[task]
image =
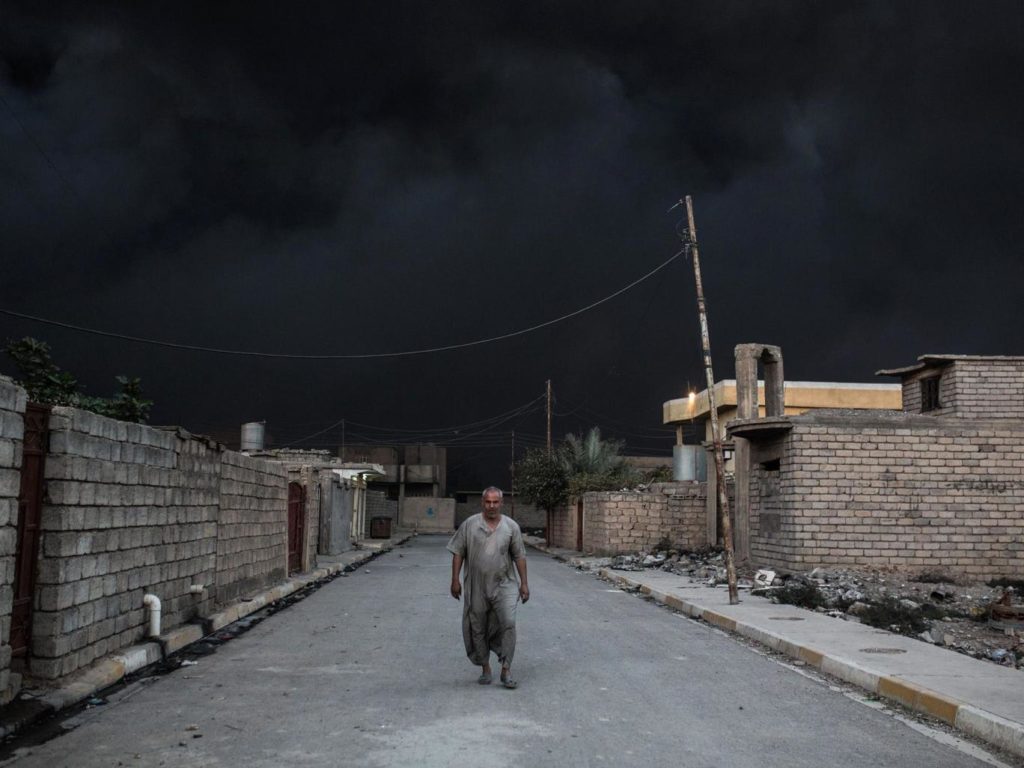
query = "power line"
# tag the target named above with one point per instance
(447, 433)
(363, 356)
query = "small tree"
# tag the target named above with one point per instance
(45, 382)
(541, 479)
(593, 464)
(42, 379)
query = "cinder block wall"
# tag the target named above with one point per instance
(252, 530)
(620, 522)
(131, 510)
(899, 491)
(12, 409)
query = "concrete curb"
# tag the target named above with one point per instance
(115, 667)
(976, 722)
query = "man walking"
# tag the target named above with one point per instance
(491, 546)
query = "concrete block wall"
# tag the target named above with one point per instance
(902, 491)
(252, 527)
(628, 521)
(129, 510)
(12, 409)
(428, 514)
(563, 526)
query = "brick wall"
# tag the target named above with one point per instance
(563, 526)
(252, 526)
(988, 388)
(131, 510)
(619, 522)
(12, 406)
(893, 490)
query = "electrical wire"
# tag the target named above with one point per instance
(419, 436)
(362, 356)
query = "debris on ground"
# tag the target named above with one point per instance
(982, 620)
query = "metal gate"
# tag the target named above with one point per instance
(30, 503)
(296, 515)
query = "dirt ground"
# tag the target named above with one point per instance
(931, 607)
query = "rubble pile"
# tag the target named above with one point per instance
(983, 620)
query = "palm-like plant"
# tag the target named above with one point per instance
(590, 455)
(594, 464)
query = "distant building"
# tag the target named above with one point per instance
(410, 472)
(694, 463)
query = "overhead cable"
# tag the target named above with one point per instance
(361, 356)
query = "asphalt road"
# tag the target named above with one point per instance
(370, 671)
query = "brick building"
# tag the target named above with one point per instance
(936, 486)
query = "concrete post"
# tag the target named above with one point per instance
(747, 357)
(774, 382)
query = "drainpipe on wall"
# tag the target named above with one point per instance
(152, 602)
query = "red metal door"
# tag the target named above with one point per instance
(30, 503)
(296, 515)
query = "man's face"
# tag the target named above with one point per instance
(492, 505)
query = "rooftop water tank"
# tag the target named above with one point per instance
(689, 462)
(252, 435)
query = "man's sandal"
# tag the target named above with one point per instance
(484, 679)
(509, 683)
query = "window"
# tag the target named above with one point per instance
(930, 394)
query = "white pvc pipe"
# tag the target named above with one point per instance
(152, 602)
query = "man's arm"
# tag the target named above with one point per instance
(524, 589)
(456, 568)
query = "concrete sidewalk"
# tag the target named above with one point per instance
(976, 697)
(31, 706)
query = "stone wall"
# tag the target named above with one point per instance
(628, 521)
(911, 492)
(252, 526)
(12, 406)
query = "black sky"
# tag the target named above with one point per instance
(365, 177)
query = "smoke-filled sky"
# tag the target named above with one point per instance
(368, 177)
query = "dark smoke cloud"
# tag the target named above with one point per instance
(379, 176)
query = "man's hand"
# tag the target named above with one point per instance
(457, 589)
(524, 593)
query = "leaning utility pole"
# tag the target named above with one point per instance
(549, 417)
(512, 484)
(690, 241)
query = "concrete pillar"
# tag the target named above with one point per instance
(774, 382)
(746, 380)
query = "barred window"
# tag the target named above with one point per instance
(930, 394)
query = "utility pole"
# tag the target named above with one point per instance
(549, 417)
(343, 440)
(690, 241)
(513, 483)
